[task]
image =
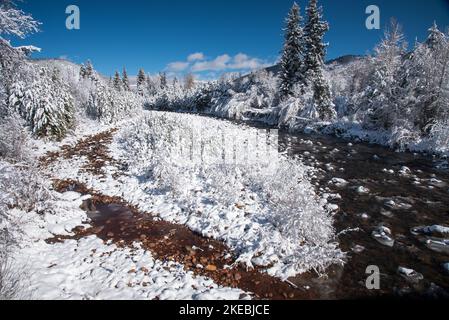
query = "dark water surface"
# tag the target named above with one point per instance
(405, 191)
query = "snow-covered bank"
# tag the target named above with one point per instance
(32, 212)
(264, 208)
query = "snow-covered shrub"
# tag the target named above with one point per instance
(13, 139)
(10, 280)
(284, 225)
(22, 187)
(439, 137)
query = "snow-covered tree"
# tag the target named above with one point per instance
(45, 104)
(163, 80)
(141, 82)
(292, 59)
(125, 80)
(425, 80)
(117, 82)
(15, 22)
(189, 81)
(82, 71)
(89, 69)
(315, 53)
(381, 98)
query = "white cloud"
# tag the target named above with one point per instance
(177, 66)
(198, 56)
(243, 61)
(197, 62)
(218, 64)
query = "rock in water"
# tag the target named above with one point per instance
(432, 231)
(410, 275)
(441, 246)
(383, 236)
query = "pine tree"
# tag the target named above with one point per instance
(382, 96)
(46, 105)
(89, 69)
(141, 82)
(82, 71)
(428, 80)
(292, 59)
(163, 80)
(435, 38)
(117, 82)
(151, 86)
(315, 52)
(125, 80)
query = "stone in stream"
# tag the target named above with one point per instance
(338, 182)
(382, 235)
(410, 275)
(432, 231)
(438, 245)
(362, 190)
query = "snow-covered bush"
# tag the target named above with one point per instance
(284, 225)
(13, 138)
(22, 187)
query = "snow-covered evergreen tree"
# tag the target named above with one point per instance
(381, 98)
(45, 104)
(125, 80)
(292, 59)
(163, 80)
(426, 81)
(315, 53)
(89, 69)
(141, 82)
(83, 71)
(117, 82)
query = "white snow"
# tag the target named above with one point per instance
(268, 213)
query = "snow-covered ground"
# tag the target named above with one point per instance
(92, 269)
(264, 208)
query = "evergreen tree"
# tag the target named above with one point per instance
(435, 38)
(426, 74)
(163, 80)
(382, 96)
(89, 69)
(315, 52)
(117, 82)
(82, 71)
(125, 80)
(141, 82)
(293, 53)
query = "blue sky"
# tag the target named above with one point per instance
(219, 36)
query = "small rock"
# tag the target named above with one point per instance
(211, 268)
(382, 235)
(238, 277)
(410, 275)
(110, 235)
